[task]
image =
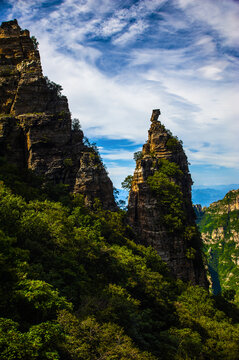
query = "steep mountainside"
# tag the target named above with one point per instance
(74, 284)
(35, 122)
(219, 226)
(160, 207)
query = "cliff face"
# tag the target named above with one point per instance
(160, 207)
(219, 226)
(35, 122)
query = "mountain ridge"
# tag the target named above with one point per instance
(205, 195)
(219, 226)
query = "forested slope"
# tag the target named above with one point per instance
(219, 226)
(75, 285)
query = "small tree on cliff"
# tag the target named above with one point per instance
(53, 86)
(35, 42)
(138, 155)
(76, 126)
(126, 184)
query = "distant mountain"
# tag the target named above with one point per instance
(219, 226)
(205, 195)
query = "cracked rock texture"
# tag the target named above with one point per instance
(181, 252)
(35, 123)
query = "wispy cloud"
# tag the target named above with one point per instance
(112, 26)
(118, 173)
(222, 16)
(118, 154)
(213, 71)
(118, 60)
(132, 33)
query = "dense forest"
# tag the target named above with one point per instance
(219, 225)
(76, 285)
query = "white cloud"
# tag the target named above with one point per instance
(222, 16)
(132, 33)
(195, 86)
(208, 45)
(213, 71)
(105, 107)
(112, 26)
(118, 173)
(117, 154)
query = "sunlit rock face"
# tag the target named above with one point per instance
(160, 206)
(35, 122)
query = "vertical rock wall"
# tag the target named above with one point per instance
(35, 122)
(152, 213)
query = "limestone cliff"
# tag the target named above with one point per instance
(219, 226)
(35, 122)
(160, 207)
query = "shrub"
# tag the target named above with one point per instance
(76, 126)
(53, 86)
(138, 155)
(35, 42)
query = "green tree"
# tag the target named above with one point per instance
(52, 86)
(127, 183)
(138, 155)
(76, 126)
(35, 42)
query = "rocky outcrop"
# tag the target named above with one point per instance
(160, 207)
(220, 221)
(35, 122)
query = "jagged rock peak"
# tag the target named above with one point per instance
(155, 115)
(35, 122)
(16, 44)
(24, 89)
(160, 206)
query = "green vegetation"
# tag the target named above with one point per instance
(94, 154)
(173, 143)
(52, 86)
(220, 227)
(170, 200)
(35, 42)
(76, 126)
(127, 183)
(172, 207)
(75, 285)
(138, 155)
(169, 195)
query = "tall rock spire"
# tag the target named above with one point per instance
(35, 123)
(160, 207)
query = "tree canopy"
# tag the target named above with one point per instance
(76, 285)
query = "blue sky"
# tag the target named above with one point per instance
(118, 60)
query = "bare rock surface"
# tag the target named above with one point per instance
(35, 122)
(180, 249)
